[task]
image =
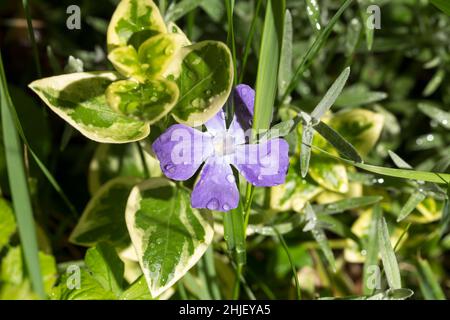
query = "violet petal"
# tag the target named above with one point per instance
(264, 164)
(216, 189)
(181, 150)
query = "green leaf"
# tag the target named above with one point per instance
(204, 79)
(285, 69)
(313, 11)
(434, 83)
(168, 235)
(7, 223)
(125, 60)
(372, 250)
(429, 284)
(361, 128)
(414, 200)
(305, 150)
(440, 178)
(443, 5)
(79, 99)
(399, 162)
(319, 235)
(329, 174)
(440, 116)
(89, 288)
(179, 9)
(281, 129)
(147, 102)
(269, 61)
(344, 147)
(19, 185)
(13, 269)
(131, 18)
(393, 294)
(357, 96)
(157, 53)
(106, 267)
(353, 36)
(315, 47)
(138, 290)
(346, 204)
(369, 31)
(103, 220)
(388, 256)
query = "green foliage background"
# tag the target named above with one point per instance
(399, 74)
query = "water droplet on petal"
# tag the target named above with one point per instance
(226, 207)
(170, 168)
(213, 204)
(231, 179)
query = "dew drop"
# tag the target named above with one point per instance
(230, 178)
(226, 207)
(170, 168)
(213, 204)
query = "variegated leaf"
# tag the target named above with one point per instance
(79, 98)
(103, 220)
(168, 235)
(205, 78)
(139, 19)
(149, 101)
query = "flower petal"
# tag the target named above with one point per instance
(244, 99)
(264, 164)
(216, 188)
(217, 123)
(181, 150)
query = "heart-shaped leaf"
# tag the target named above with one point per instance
(79, 98)
(168, 235)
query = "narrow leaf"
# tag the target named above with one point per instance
(388, 256)
(414, 200)
(372, 250)
(429, 284)
(285, 70)
(344, 147)
(305, 151)
(331, 95)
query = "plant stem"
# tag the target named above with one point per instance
(248, 43)
(144, 163)
(26, 8)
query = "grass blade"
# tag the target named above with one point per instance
(399, 162)
(313, 10)
(320, 236)
(230, 37)
(347, 204)
(372, 250)
(37, 62)
(443, 5)
(19, 189)
(285, 69)
(440, 116)
(332, 94)
(266, 83)
(388, 257)
(416, 198)
(248, 42)
(436, 177)
(291, 262)
(428, 283)
(305, 150)
(344, 147)
(314, 49)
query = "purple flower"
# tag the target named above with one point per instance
(181, 150)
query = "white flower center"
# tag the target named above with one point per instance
(224, 144)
